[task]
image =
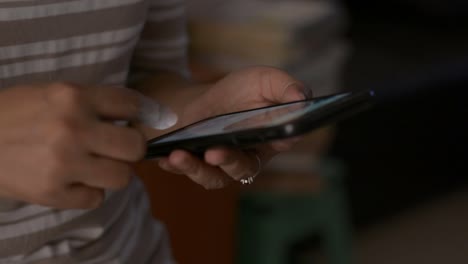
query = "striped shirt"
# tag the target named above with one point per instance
(87, 42)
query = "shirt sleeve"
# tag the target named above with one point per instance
(163, 43)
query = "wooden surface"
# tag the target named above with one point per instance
(201, 223)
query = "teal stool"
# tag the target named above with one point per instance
(270, 223)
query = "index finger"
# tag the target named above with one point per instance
(115, 103)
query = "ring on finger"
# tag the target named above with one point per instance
(249, 180)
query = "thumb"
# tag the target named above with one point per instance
(294, 92)
(283, 88)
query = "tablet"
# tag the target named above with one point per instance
(247, 128)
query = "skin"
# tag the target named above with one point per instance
(61, 149)
(241, 90)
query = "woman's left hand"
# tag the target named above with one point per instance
(245, 89)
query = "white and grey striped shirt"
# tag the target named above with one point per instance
(87, 42)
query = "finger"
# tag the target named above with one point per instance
(105, 173)
(234, 162)
(165, 165)
(115, 103)
(116, 142)
(283, 88)
(198, 171)
(294, 92)
(78, 196)
(106, 102)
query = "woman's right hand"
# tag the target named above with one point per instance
(59, 146)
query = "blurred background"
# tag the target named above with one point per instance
(386, 186)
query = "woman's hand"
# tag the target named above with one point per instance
(59, 146)
(241, 90)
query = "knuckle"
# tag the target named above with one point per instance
(65, 92)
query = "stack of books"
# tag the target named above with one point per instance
(299, 36)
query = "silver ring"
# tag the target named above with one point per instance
(250, 179)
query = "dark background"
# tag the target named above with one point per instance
(412, 147)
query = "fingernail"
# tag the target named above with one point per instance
(295, 92)
(156, 115)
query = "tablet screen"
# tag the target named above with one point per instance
(257, 118)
